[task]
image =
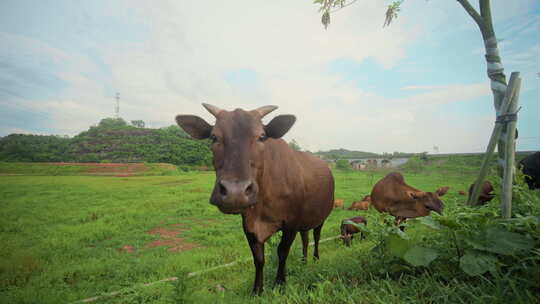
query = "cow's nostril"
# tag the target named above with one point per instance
(222, 189)
(249, 189)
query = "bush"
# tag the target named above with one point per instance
(343, 164)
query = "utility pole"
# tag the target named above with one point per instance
(117, 107)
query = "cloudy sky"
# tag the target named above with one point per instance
(418, 84)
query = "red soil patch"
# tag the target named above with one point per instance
(175, 183)
(169, 238)
(118, 169)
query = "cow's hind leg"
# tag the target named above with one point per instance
(283, 251)
(316, 238)
(305, 244)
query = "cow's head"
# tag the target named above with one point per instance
(430, 200)
(238, 142)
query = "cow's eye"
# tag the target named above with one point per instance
(263, 137)
(213, 138)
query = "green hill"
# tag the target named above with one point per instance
(113, 140)
(345, 154)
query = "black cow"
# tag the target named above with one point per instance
(530, 166)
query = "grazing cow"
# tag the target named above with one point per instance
(442, 190)
(260, 177)
(461, 192)
(347, 230)
(530, 166)
(392, 195)
(339, 203)
(486, 194)
(361, 205)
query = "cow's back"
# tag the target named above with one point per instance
(391, 194)
(387, 191)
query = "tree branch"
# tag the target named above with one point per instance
(345, 5)
(473, 13)
(485, 11)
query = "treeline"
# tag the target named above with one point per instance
(113, 140)
(351, 154)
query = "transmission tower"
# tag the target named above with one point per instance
(117, 107)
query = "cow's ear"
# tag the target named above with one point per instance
(279, 126)
(195, 126)
(442, 191)
(416, 195)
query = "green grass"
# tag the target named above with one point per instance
(68, 169)
(62, 237)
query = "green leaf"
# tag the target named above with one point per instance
(325, 19)
(448, 222)
(396, 245)
(475, 263)
(395, 230)
(498, 240)
(430, 222)
(420, 256)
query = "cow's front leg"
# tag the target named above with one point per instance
(283, 251)
(399, 221)
(257, 250)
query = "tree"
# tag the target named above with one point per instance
(294, 145)
(137, 123)
(112, 123)
(343, 164)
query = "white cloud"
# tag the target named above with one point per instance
(189, 45)
(449, 93)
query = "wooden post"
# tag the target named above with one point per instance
(509, 166)
(508, 96)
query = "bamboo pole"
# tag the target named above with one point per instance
(510, 91)
(509, 166)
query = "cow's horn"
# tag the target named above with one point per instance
(265, 110)
(212, 109)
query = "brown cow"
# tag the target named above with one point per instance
(347, 230)
(260, 177)
(392, 195)
(338, 203)
(361, 205)
(442, 190)
(486, 194)
(461, 192)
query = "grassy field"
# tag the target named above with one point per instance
(66, 238)
(87, 169)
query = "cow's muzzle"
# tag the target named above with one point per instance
(233, 196)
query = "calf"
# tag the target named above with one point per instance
(338, 203)
(347, 230)
(361, 205)
(486, 194)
